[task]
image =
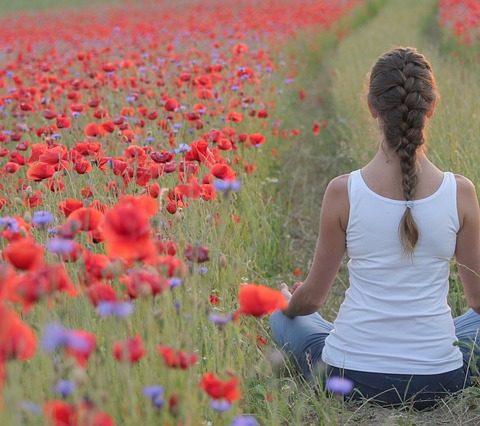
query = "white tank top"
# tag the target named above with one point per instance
(395, 317)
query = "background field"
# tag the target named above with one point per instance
(279, 207)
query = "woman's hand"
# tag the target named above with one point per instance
(296, 285)
(285, 291)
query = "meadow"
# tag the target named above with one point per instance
(162, 168)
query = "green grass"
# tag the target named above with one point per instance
(7, 7)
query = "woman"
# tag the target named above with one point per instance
(400, 220)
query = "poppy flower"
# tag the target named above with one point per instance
(94, 130)
(24, 254)
(177, 359)
(258, 300)
(88, 218)
(61, 413)
(197, 254)
(41, 282)
(100, 292)
(256, 139)
(80, 346)
(126, 229)
(39, 171)
(220, 389)
(69, 205)
(144, 282)
(130, 350)
(223, 171)
(171, 104)
(17, 339)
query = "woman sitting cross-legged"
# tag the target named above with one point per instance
(400, 220)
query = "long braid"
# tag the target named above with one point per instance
(402, 91)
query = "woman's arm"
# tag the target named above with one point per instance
(467, 252)
(329, 251)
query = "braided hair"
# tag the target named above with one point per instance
(402, 90)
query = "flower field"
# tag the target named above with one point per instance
(462, 18)
(151, 154)
(133, 141)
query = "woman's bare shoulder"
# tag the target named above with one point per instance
(465, 187)
(338, 186)
(339, 182)
(462, 180)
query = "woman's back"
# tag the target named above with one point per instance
(395, 317)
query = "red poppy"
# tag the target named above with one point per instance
(81, 352)
(197, 254)
(126, 229)
(100, 292)
(171, 104)
(144, 282)
(130, 350)
(39, 171)
(256, 139)
(61, 413)
(223, 171)
(177, 359)
(258, 300)
(43, 281)
(98, 266)
(24, 254)
(220, 389)
(88, 218)
(69, 205)
(17, 339)
(94, 130)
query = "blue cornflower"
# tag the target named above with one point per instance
(57, 336)
(244, 421)
(115, 309)
(220, 405)
(64, 388)
(226, 185)
(42, 218)
(183, 147)
(60, 245)
(219, 319)
(10, 223)
(175, 282)
(155, 393)
(339, 385)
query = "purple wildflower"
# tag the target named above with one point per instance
(60, 245)
(339, 385)
(64, 388)
(244, 421)
(57, 336)
(115, 309)
(175, 282)
(10, 223)
(183, 147)
(31, 407)
(42, 218)
(155, 393)
(54, 336)
(220, 405)
(226, 185)
(219, 319)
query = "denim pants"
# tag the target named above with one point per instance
(303, 338)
